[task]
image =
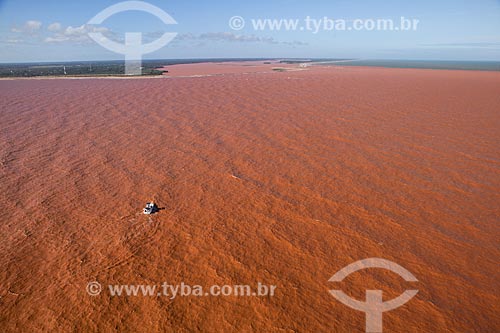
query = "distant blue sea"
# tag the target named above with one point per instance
(427, 64)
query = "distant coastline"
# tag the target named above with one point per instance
(156, 68)
(105, 68)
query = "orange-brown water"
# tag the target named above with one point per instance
(224, 68)
(282, 178)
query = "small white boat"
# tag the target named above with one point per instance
(150, 208)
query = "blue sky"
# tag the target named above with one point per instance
(54, 30)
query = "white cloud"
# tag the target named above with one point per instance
(29, 27)
(33, 25)
(54, 27)
(55, 39)
(76, 34)
(232, 37)
(14, 41)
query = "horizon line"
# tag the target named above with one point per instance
(243, 59)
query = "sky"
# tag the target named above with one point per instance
(55, 30)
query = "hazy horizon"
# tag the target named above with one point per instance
(259, 58)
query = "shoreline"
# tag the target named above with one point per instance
(241, 68)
